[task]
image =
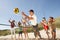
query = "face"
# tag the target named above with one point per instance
(43, 20)
(13, 21)
(19, 23)
(31, 13)
(50, 19)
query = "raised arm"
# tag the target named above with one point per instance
(9, 21)
(27, 16)
(24, 14)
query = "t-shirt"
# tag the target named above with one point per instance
(20, 28)
(34, 20)
(12, 24)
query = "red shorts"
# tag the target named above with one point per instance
(46, 27)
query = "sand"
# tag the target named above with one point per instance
(31, 35)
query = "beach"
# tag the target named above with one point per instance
(31, 35)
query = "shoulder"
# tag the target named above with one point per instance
(34, 16)
(29, 15)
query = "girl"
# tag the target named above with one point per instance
(45, 26)
(12, 23)
(24, 22)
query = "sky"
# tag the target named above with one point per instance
(41, 8)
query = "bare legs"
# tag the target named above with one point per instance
(25, 33)
(36, 33)
(47, 33)
(13, 33)
(53, 34)
(20, 36)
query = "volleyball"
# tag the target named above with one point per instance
(16, 10)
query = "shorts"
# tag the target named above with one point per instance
(20, 32)
(12, 31)
(46, 27)
(54, 30)
(36, 28)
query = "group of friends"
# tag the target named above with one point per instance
(32, 20)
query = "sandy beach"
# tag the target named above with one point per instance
(31, 35)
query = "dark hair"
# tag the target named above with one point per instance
(19, 23)
(51, 17)
(31, 11)
(44, 18)
(13, 20)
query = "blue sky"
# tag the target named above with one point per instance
(41, 7)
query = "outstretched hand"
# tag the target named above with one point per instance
(24, 14)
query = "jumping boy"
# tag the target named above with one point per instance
(33, 19)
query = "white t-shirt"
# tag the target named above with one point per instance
(34, 20)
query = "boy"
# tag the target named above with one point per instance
(33, 20)
(52, 27)
(20, 29)
(45, 26)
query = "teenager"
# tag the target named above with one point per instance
(12, 22)
(20, 30)
(33, 21)
(52, 26)
(45, 26)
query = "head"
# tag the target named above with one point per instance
(44, 19)
(51, 19)
(19, 23)
(31, 12)
(13, 20)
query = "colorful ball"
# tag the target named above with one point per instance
(16, 10)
